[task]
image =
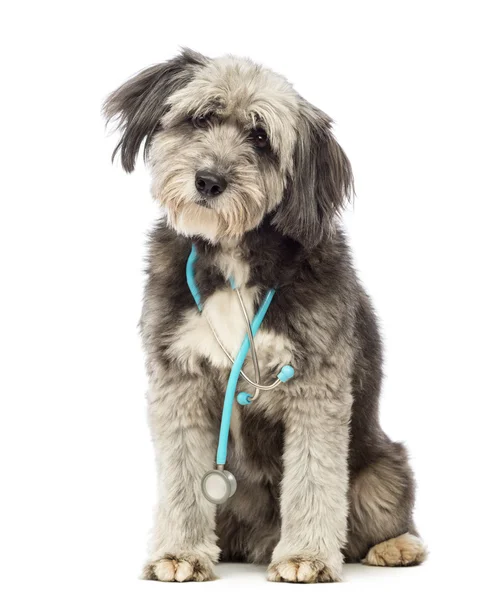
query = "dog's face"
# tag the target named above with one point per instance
(229, 142)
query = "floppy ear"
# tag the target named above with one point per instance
(320, 183)
(139, 104)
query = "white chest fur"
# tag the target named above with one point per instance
(194, 338)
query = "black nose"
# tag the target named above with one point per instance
(210, 183)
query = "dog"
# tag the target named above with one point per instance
(249, 173)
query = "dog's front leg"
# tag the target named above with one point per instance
(184, 435)
(314, 487)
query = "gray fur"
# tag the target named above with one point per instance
(318, 480)
(321, 171)
(139, 104)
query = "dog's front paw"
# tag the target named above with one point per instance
(302, 569)
(182, 567)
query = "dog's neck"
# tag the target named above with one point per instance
(262, 257)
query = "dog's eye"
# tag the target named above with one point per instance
(260, 138)
(201, 121)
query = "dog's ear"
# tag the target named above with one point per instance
(320, 182)
(139, 104)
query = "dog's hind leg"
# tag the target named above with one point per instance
(406, 550)
(381, 530)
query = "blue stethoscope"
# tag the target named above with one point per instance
(218, 485)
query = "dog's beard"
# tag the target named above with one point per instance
(239, 209)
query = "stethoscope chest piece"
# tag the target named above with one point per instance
(218, 486)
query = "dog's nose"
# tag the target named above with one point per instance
(210, 183)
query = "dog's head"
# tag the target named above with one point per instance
(229, 142)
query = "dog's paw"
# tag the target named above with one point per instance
(302, 569)
(183, 567)
(403, 551)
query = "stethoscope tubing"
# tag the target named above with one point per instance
(190, 274)
(254, 355)
(237, 363)
(221, 454)
(194, 289)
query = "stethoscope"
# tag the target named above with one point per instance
(218, 485)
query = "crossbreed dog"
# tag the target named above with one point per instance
(249, 172)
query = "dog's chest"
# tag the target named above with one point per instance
(221, 328)
(198, 333)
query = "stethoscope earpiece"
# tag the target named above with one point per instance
(218, 486)
(285, 374)
(243, 398)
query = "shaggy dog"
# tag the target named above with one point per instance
(249, 172)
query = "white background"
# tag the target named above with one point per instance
(414, 88)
